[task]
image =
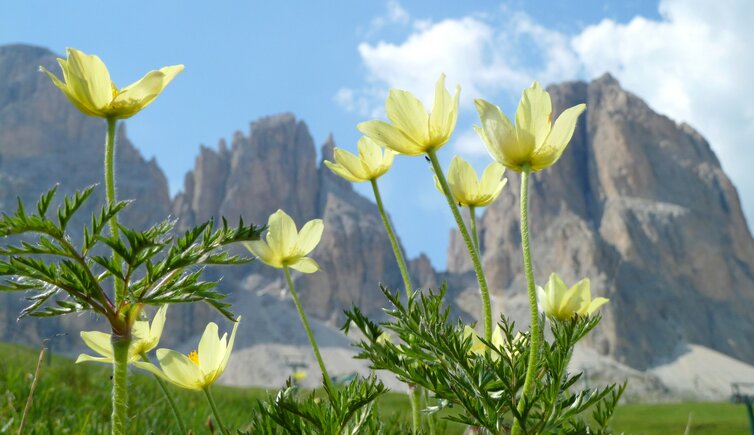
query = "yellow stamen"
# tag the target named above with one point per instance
(115, 90)
(194, 357)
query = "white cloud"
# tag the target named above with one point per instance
(394, 14)
(469, 144)
(696, 65)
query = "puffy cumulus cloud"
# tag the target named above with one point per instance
(394, 14)
(695, 64)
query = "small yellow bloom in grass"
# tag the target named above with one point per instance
(86, 83)
(145, 338)
(372, 162)
(286, 246)
(533, 143)
(414, 131)
(467, 189)
(200, 368)
(562, 303)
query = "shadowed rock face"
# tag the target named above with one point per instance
(641, 206)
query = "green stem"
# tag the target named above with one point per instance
(120, 383)
(110, 192)
(393, 240)
(169, 397)
(486, 305)
(529, 271)
(215, 412)
(430, 417)
(308, 329)
(474, 236)
(415, 393)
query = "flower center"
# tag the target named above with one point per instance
(194, 357)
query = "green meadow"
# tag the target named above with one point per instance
(73, 399)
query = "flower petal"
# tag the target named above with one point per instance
(282, 234)
(533, 116)
(229, 348)
(440, 116)
(370, 153)
(463, 181)
(342, 172)
(392, 137)
(558, 140)
(305, 265)
(351, 163)
(138, 95)
(89, 75)
(500, 136)
(263, 252)
(211, 349)
(99, 342)
(408, 114)
(158, 324)
(180, 370)
(309, 236)
(88, 358)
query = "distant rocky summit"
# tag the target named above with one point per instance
(637, 203)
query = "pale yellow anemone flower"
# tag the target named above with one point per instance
(414, 131)
(558, 301)
(145, 338)
(200, 368)
(470, 191)
(371, 163)
(286, 246)
(533, 144)
(86, 83)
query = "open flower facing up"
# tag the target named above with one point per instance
(562, 303)
(413, 131)
(533, 143)
(467, 189)
(286, 246)
(86, 83)
(145, 338)
(372, 162)
(200, 368)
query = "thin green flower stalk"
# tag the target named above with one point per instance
(532, 293)
(393, 240)
(111, 197)
(472, 221)
(168, 397)
(308, 329)
(215, 411)
(470, 246)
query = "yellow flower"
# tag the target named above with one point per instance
(478, 347)
(145, 338)
(413, 131)
(88, 86)
(200, 368)
(372, 162)
(285, 246)
(562, 303)
(533, 143)
(467, 189)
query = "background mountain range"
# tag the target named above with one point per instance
(638, 203)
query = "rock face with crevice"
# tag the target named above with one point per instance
(640, 205)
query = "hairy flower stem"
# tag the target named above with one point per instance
(393, 240)
(110, 192)
(308, 329)
(120, 383)
(486, 305)
(474, 236)
(414, 393)
(430, 417)
(215, 411)
(529, 271)
(169, 398)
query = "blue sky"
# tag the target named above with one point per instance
(331, 63)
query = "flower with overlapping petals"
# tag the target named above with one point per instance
(558, 301)
(413, 131)
(145, 338)
(200, 368)
(86, 83)
(470, 191)
(285, 246)
(371, 163)
(533, 143)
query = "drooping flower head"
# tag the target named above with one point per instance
(86, 83)
(200, 368)
(413, 131)
(286, 246)
(371, 163)
(470, 191)
(145, 338)
(533, 143)
(558, 301)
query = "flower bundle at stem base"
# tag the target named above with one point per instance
(308, 329)
(530, 288)
(169, 398)
(215, 411)
(486, 305)
(120, 383)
